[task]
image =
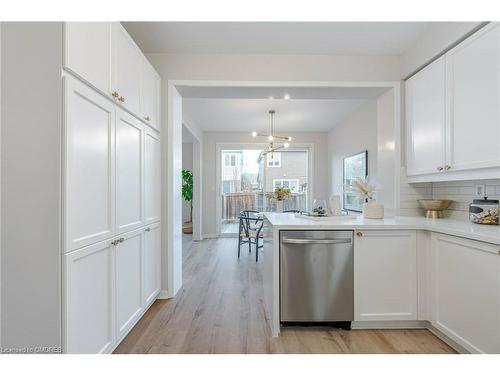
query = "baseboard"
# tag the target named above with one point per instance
(164, 294)
(459, 348)
(209, 236)
(393, 324)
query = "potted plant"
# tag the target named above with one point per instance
(187, 195)
(366, 191)
(279, 195)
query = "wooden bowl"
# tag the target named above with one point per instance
(434, 207)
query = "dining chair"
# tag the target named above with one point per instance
(250, 229)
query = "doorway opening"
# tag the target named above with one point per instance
(247, 177)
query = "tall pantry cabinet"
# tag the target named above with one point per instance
(112, 185)
(84, 186)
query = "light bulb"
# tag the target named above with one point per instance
(270, 138)
(289, 139)
(254, 134)
(286, 145)
(286, 97)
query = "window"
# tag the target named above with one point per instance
(274, 159)
(355, 166)
(292, 184)
(229, 160)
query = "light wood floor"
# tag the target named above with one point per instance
(220, 309)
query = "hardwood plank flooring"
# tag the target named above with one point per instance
(220, 309)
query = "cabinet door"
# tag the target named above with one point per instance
(153, 175)
(129, 172)
(465, 279)
(89, 166)
(473, 70)
(128, 255)
(150, 94)
(152, 262)
(88, 300)
(385, 275)
(425, 120)
(126, 69)
(87, 52)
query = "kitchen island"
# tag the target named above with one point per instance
(409, 272)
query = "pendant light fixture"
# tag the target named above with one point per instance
(271, 137)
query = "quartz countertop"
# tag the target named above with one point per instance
(466, 229)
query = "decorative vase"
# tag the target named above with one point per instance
(373, 210)
(279, 206)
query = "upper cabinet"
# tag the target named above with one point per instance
(150, 94)
(452, 117)
(104, 55)
(425, 119)
(126, 69)
(87, 52)
(473, 76)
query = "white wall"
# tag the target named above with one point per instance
(355, 134)
(437, 38)
(31, 101)
(235, 67)
(210, 140)
(187, 163)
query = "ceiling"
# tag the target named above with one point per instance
(324, 38)
(245, 109)
(246, 115)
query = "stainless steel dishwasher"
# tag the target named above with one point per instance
(316, 277)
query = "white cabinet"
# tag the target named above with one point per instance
(152, 179)
(126, 69)
(152, 263)
(89, 166)
(452, 117)
(129, 253)
(87, 52)
(473, 69)
(465, 286)
(150, 94)
(129, 172)
(88, 300)
(385, 275)
(425, 119)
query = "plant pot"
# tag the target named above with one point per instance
(187, 227)
(373, 210)
(279, 206)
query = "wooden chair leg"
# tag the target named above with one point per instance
(239, 245)
(249, 244)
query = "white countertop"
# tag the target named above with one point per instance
(466, 229)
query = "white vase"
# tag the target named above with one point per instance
(373, 210)
(279, 206)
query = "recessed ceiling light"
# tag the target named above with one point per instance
(271, 97)
(286, 97)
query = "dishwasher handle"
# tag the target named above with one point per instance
(314, 241)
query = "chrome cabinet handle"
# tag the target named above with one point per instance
(114, 242)
(121, 239)
(148, 229)
(147, 118)
(447, 167)
(440, 169)
(311, 241)
(115, 94)
(121, 99)
(359, 234)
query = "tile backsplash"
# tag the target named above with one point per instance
(460, 192)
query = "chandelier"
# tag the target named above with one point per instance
(273, 146)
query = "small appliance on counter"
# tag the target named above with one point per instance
(484, 211)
